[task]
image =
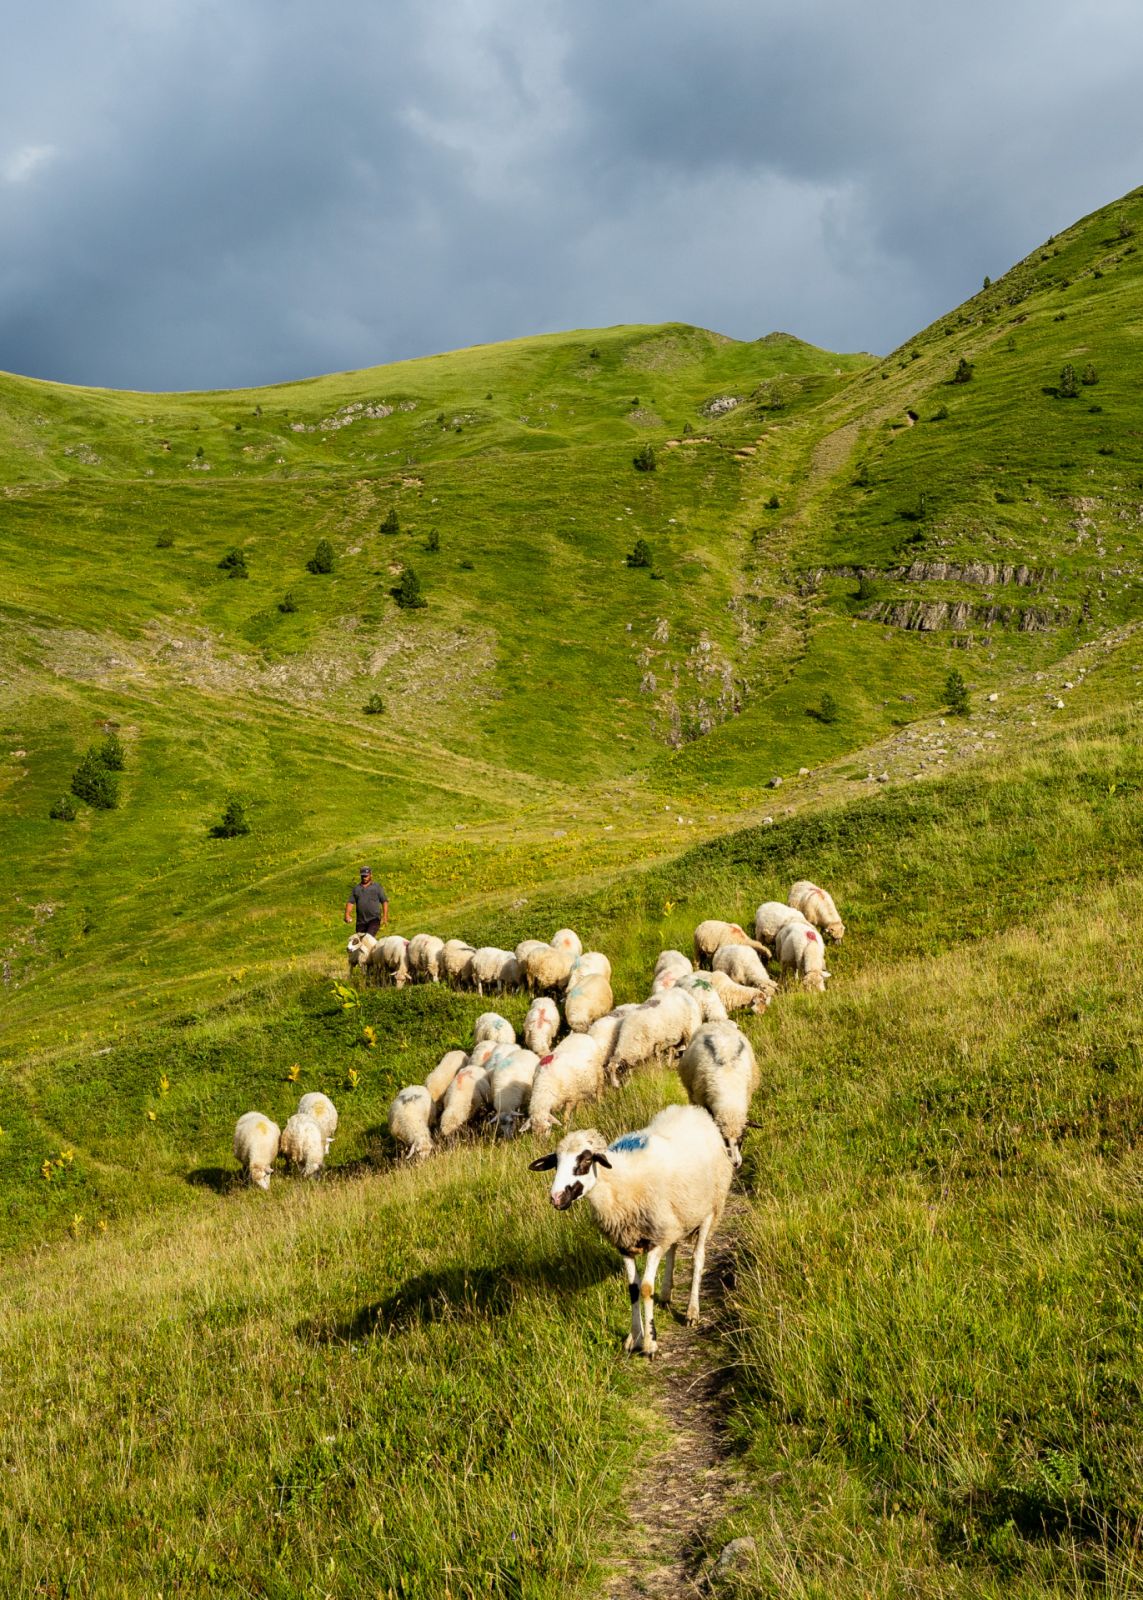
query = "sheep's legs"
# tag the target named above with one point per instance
(647, 1296)
(634, 1339)
(696, 1273)
(668, 1276)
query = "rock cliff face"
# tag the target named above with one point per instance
(932, 616)
(982, 574)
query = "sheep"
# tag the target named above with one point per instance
(491, 1025)
(740, 996)
(744, 966)
(800, 950)
(482, 1052)
(572, 1072)
(770, 916)
(526, 946)
(585, 1002)
(443, 1073)
(648, 1190)
(456, 963)
(709, 936)
(817, 907)
(492, 967)
(592, 964)
(359, 949)
(546, 969)
(673, 961)
(256, 1143)
(466, 1096)
(567, 939)
(541, 1025)
(665, 1022)
(425, 957)
(391, 958)
(409, 1120)
(605, 1032)
(719, 1072)
(510, 1082)
(322, 1109)
(699, 985)
(303, 1144)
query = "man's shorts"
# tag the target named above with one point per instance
(373, 927)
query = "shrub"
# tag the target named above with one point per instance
(63, 810)
(374, 706)
(593, 353)
(391, 522)
(963, 373)
(644, 458)
(164, 541)
(111, 753)
(687, 430)
(1068, 387)
(941, 414)
(827, 708)
(233, 564)
(322, 558)
(93, 783)
(864, 587)
(956, 694)
(773, 503)
(641, 555)
(433, 542)
(987, 284)
(1089, 375)
(287, 603)
(408, 592)
(234, 821)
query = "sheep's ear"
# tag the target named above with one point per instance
(545, 1163)
(600, 1160)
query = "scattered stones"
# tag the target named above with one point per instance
(734, 1557)
(775, 783)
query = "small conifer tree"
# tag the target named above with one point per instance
(963, 373)
(111, 752)
(956, 694)
(644, 458)
(1068, 387)
(433, 542)
(391, 522)
(1089, 375)
(63, 809)
(234, 820)
(374, 706)
(233, 564)
(93, 783)
(827, 709)
(640, 556)
(322, 558)
(287, 603)
(408, 592)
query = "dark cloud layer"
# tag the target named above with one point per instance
(195, 194)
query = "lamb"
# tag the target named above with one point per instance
(719, 1072)
(709, 936)
(572, 1072)
(800, 950)
(770, 917)
(510, 1082)
(818, 908)
(567, 939)
(743, 965)
(466, 1096)
(442, 1075)
(424, 957)
(303, 1144)
(740, 996)
(648, 1190)
(392, 959)
(605, 1032)
(491, 1025)
(547, 969)
(409, 1120)
(456, 963)
(701, 988)
(322, 1109)
(541, 1025)
(586, 1001)
(256, 1143)
(493, 968)
(665, 1022)
(359, 949)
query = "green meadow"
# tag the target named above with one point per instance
(409, 1381)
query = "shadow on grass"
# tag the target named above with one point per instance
(222, 1180)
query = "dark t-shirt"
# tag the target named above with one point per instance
(368, 898)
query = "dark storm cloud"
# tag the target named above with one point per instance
(199, 194)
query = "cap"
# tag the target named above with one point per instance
(367, 872)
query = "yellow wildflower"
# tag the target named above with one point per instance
(294, 1073)
(152, 1116)
(370, 1036)
(353, 1077)
(47, 1169)
(164, 1084)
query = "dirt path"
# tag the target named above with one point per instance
(691, 1483)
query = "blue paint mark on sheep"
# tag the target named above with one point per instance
(630, 1141)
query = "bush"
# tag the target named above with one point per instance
(322, 558)
(641, 555)
(63, 810)
(865, 589)
(374, 706)
(287, 603)
(234, 821)
(233, 564)
(941, 414)
(111, 753)
(593, 353)
(164, 541)
(391, 522)
(956, 694)
(1068, 387)
(1089, 375)
(827, 708)
(964, 371)
(433, 542)
(773, 503)
(93, 783)
(408, 592)
(644, 458)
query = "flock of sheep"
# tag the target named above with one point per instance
(664, 1183)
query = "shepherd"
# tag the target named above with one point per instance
(368, 904)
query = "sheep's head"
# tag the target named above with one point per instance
(260, 1176)
(815, 982)
(574, 1161)
(360, 947)
(760, 1001)
(836, 931)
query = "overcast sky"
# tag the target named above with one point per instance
(198, 194)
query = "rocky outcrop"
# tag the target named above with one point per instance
(981, 574)
(935, 616)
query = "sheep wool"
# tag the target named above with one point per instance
(720, 1073)
(425, 957)
(567, 939)
(409, 1120)
(701, 989)
(490, 967)
(541, 1025)
(359, 949)
(392, 959)
(740, 996)
(443, 1073)
(256, 1142)
(491, 1025)
(818, 908)
(585, 1002)
(322, 1109)
(665, 1022)
(456, 963)
(511, 1076)
(547, 969)
(743, 965)
(800, 950)
(466, 1096)
(709, 936)
(770, 917)
(605, 1032)
(303, 1144)
(570, 1074)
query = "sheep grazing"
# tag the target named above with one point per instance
(409, 1117)
(494, 969)
(709, 936)
(800, 950)
(456, 963)
(770, 917)
(256, 1143)
(526, 946)
(648, 1190)
(672, 961)
(665, 1022)
(586, 1001)
(303, 1144)
(567, 939)
(818, 908)
(442, 1075)
(491, 1025)
(571, 1073)
(701, 989)
(592, 964)
(605, 1032)
(465, 1098)
(719, 1072)
(391, 959)
(744, 966)
(547, 969)
(359, 949)
(510, 1083)
(322, 1109)
(481, 1054)
(424, 957)
(741, 996)
(541, 1025)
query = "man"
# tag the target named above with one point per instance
(368, 904)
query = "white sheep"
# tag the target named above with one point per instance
(569, 1074)
(481, 1053)
(648, 1190)
(709, 936)
(466, 1096)
(700, 987)
(801, 950)
(526, 946)
(491, 1025)
(818, 908)
(592, 964)
(303, 1144)
(605, 1032)
(719, 1072)
(359, 948)
(743, 965)
(424, 957)
(547, 969)
(443, 1073)
(586, 1001)
(567, 939)
(665, 1022)
(409, 1117)
(256, 1143)
(456, 963)
(510, 1083)
(391, 958)
(541, 1025)
(740, 996)
(494, 969)
(770, 917)
(673, 961)
(322, 1109)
